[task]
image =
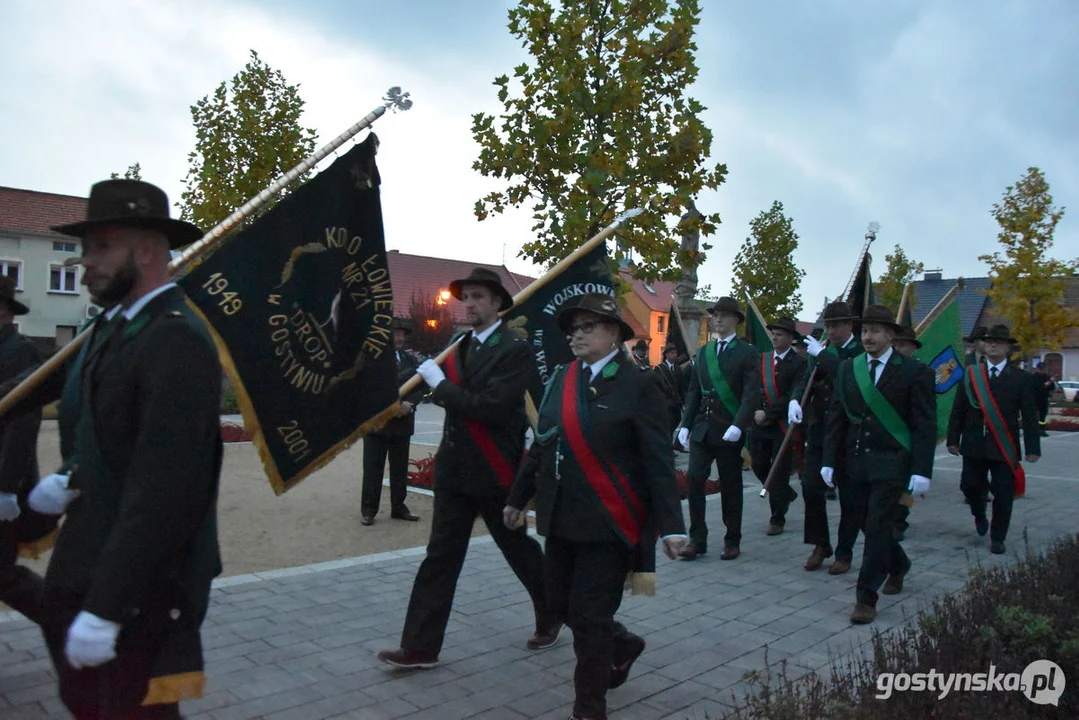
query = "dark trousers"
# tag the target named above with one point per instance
(902, 512)
(20, 587)
(115, 690)
(585, 582)
(728, 459)
(975, 483)
(674, 418)
(816, 520)
(436, 582)
(883, 555)
(375, 450)
(764, 448)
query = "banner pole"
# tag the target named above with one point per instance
(394, 98)
(939, 307)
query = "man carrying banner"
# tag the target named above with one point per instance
(724, 390)
(640, 355)
(20, 587)
(779, 371)
(839, 326)
(602, 473)
(129, 581)
(392, 440)
(482, 390)
(673, 380)
(882, 419)
(984, 428)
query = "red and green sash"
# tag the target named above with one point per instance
(981, 397)
(879, 405)
(771, 387)
(605, 479)
(480, 434)
(708, 359)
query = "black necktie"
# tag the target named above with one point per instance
(777, 359)
(474, 350)
(992, 373)
(873, 365)
(722, 345)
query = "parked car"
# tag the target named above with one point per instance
(1070, 388)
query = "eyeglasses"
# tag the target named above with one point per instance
(585, 326)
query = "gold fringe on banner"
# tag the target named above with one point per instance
(170, 689)
(251, 423)
(34, 549)
(641, 583)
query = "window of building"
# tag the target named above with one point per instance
(61, 246)
(661, 322)
(13, 269)
(63, 279)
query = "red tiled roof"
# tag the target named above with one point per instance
(659, 299)
(426, 276)
(28, 211)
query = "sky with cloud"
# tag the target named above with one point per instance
(913, 114)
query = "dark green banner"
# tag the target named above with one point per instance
(302, 309)
(535, 318)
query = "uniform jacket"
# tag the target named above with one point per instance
(788, 374)
(708, 418)
(139, 544)
(820, 399)
(870, 450)
(404, 426)
(673, 383)
(618, 431)
(492, 393)
(19, 427)
(1014, 392)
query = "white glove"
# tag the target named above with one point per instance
(91, 641)
(919, 484)
(794, 412)
(826, 475)
(733, 434)
(683, 437)
(50, 496)
(431, 373)
(813, 345)
(9, 507)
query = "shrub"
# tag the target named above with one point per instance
(1062, 425)
(232, 433)
(1006, 617)
(229, 404)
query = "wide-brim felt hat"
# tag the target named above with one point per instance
(978, 334)
(880, 315)
(787, 324)
(7, 295)
(402, 324)
(640, 345)
(486, 278)
(906, 332)
(838, 311)
(670, 346)
(598, 304)
(998, 332)
(131, 203)
(728, 304)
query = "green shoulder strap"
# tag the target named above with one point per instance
(879, 405)
(719, 383)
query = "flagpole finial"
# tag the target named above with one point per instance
(871, 231)
(397, 100)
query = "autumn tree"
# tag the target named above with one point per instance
(901, 271)
(1027, 284)
(248, 134)
(764, 268)
(133, 172)
(598, 121)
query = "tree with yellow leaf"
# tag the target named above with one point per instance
(1028, 285)
(599, 121)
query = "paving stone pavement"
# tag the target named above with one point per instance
(300, 643)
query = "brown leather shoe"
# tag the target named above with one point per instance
(620, 672)
(730, 552)
(404, 515)
(411, 659)
(817, 557)
(774, 529)
(545, 638)
(893, 585)
(367, 520)
(691, 551)
(863, 614)
(839, 566)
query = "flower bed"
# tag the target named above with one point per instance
(234, 433)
